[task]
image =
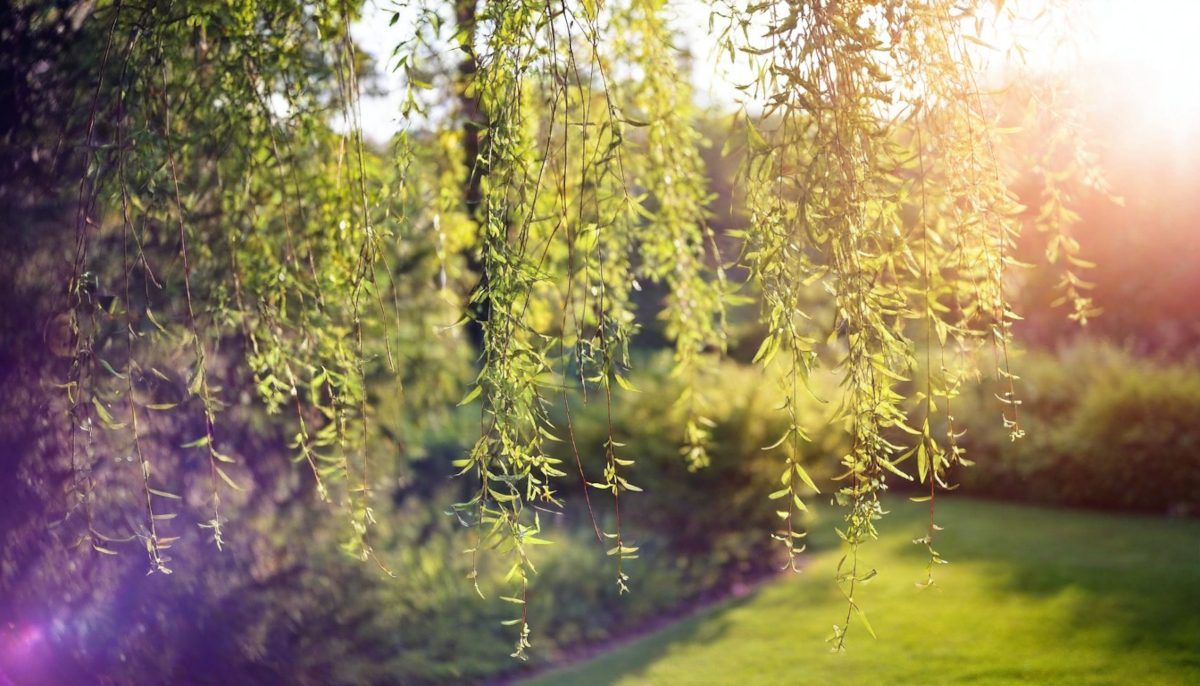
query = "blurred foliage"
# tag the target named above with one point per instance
(697, 532)
(1105, 429)
(705, 512)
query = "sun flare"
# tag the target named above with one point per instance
(1147, 55)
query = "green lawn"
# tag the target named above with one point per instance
(1031, 596)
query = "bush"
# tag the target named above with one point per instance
(1137, 442)
(1103, 429)
(697, 532)
(720, 511)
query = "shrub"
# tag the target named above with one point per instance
(1137, 442)
(1103, 429)
(697, 532)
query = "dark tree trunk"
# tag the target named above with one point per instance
(475, 123)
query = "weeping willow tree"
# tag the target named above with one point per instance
(228, 208)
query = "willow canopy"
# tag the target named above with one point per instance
(229, 209)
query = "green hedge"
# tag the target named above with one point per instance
(1103, 429)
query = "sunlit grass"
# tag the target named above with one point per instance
(1031, 596)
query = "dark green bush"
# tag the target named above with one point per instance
(1137, 442)
(698, 532)
(1103, 429)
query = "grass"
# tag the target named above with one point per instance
(1031, 596)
